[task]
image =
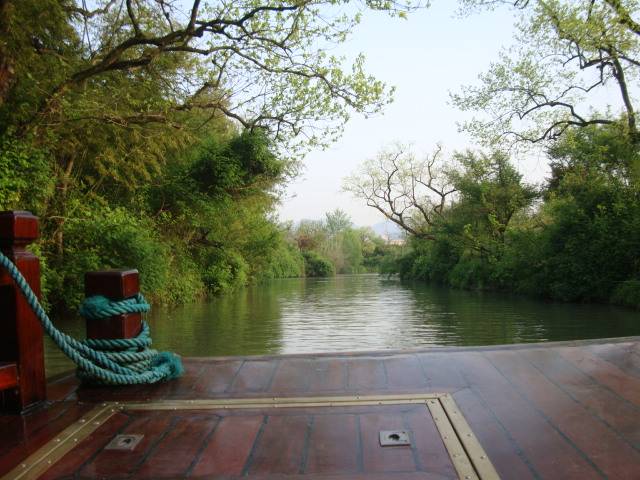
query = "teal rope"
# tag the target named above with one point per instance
(99, 361)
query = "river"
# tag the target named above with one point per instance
(362, 312)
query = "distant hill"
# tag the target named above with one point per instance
(387, 230)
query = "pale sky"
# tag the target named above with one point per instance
(427, 56)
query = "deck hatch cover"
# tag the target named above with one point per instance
(467, 455)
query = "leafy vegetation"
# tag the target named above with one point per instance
(577, 238)
(334, 245)
(149, 135)
(474, 223)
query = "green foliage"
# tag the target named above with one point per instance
(556, 77)
(316, 265)
(581, 244)
(286, 262)
(25, 173)
(106, 238)
(627, 293)
(349, 250)
(147, 138)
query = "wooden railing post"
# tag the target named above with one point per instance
(115, 285)
(21, 342)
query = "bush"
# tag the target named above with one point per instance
(286, 262)
(316, 265)
(107, 238)
(627, 294)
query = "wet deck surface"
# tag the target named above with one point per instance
(541, 411)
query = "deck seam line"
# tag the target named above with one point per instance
(272, 376)
(154, 446)
(229, 388)
(202, 448)
(425, 377)
(385, 373)
(564, 436)
(359, 447)
(307, 440)
(414, 449)
(249, 461)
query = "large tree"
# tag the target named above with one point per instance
(262, 64)
(575, 63)
(107, 91)
(410, 192)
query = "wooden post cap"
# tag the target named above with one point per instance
(18, 227)
(113, 284)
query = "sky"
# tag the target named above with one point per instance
(425, 57)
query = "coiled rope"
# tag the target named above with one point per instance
(105, 361)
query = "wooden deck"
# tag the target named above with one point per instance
(565, 411)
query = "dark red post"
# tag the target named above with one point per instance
(21, 345)
(115, 285)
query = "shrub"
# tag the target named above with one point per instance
(316, 265)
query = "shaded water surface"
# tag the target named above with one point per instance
(363, 312)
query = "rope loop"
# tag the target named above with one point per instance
(127, 361)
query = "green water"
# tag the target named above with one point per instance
(363, 312)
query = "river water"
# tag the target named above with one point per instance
(362, 312)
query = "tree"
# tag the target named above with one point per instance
(469, 202)
(110, 92)
(490, 192)
(569, 54)
(337, 221)
(264, 65)
(411, 193)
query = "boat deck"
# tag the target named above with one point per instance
(558, 410)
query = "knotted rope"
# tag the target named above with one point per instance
(111, 361)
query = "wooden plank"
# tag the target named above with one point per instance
(228, 449)
(70, 463)
(366, 374)
(429, 450)
(625, 385)
(615, 411)
(280, 447)
(614, 457)
(333, 445)
(254, 376)
(174, 454)
(404, 372)
(547, 450)
(216, 377)
(443, 371)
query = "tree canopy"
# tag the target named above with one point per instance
(575, 63)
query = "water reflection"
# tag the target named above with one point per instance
(364, 312)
